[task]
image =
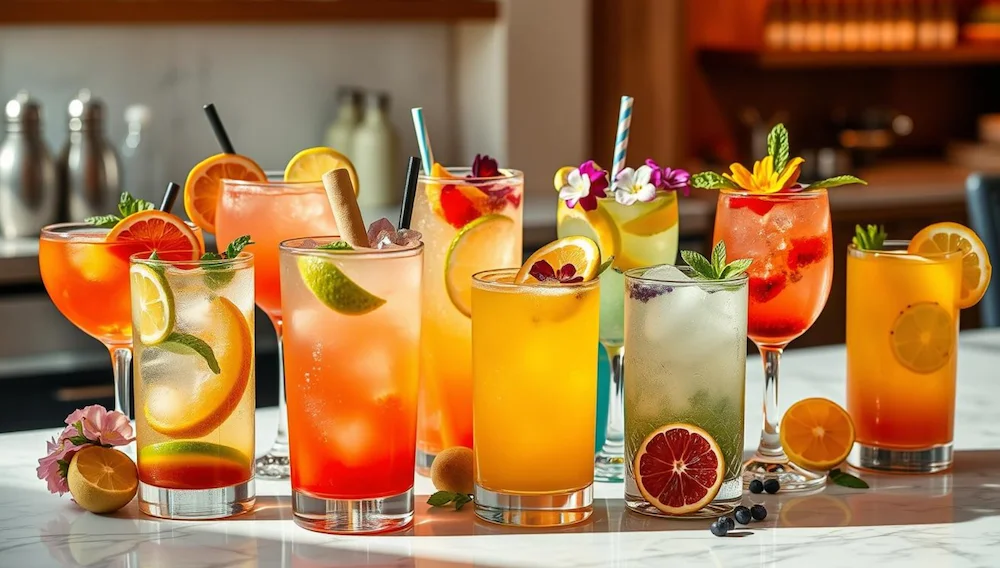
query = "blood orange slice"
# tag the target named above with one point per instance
(679, 468)
(148, 231)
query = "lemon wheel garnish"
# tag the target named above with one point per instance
(580, 252)
(311, 164)
(561, 177)
(923, 337)
(481, 245)
(659, 220)
(154, 302)
(597, 225)
(949, 237)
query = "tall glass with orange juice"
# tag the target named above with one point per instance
(352, 333)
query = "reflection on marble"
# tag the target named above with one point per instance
(949, 520)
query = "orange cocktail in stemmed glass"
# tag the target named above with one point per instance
(784, 226)
(85, 269)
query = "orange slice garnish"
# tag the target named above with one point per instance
(204, 184)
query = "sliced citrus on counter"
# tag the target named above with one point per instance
(102, 480)
(948, 237)
(923, 337)
(335, 289)
(149, 231)
(311, 164)
(580, 255)
(152, 298)
(817, 434)
(596, 225)
(204, 184)
(679, 468)
(205, 398)
(660, 219)
(483, 244)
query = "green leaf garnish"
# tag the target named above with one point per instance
(127, 205)
(184, 343)
(777, 146)
(79, 439)
(212, 256)
(236, 247)
(336, 245)
(871, 239)
(442, 498)
(63, 467)
(222, 274)
(711, 180)
(715, 269)
(845, 479)
(103, 221)
(604, 266)
(836, 181)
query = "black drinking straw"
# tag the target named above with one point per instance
(169, 197)
(219, 129)
(409, 192)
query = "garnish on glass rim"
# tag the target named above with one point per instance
(442, 498)
(589, 182)
(717, 268)
(568, 260)
(776, 172)
(871, 238)
(336, 245)
(221, 274)
(127, 205)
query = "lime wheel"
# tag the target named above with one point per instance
(679, 468)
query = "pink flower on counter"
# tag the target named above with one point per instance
(98, 425)
(53, 467)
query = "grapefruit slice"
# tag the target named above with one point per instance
(149, 231)
(204, 184)
(679, 468)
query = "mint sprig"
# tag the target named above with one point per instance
(604, 266)
(222, 274)
(711, 180)
(836, 181)
(777, 146)
(336, 245)
(717, 268)
(845, 479)
(442, 498)
(185, 343)
(127, 205)
(871, 238)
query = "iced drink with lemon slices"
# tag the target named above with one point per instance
(470, 219)
(352, 333)
(903, 302)
(193, 330)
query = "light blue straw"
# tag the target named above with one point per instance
(621, 138)
(423, 140)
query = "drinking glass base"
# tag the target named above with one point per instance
(549, 510)
(274, 464)
(929, 460)
(197, 504)
(353, 516)
(791, 477)
(424, 462)
(609, 468)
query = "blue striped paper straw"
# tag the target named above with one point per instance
(621, 138)
(423, 140)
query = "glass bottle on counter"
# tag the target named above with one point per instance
(142, 173)
(374, 154)
(340, 134)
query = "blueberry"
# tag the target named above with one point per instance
(758, 512)
(772, 486)
(719, 529)
(756, 486)
(742, 515)
(728, 521)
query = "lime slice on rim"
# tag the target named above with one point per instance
(480, 245)
(154, 302)
(335, 289)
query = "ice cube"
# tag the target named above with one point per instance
(353, 440)
(666, 273)
(780, 218)
(670, 316)
(308, 244)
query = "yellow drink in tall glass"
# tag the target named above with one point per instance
(535, 386)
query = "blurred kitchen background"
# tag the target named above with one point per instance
(904, 93)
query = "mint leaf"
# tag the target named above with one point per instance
(211, 256)
(103, 221)
(777, 146)
(184, 344)
(236, 247)
(702, 267)
(63, 467)
(871, 238)
(845, 479)
(336, 245)
(128, 205)
(719, 257)
(735, 268)
(711, 180)
(836, 182)
(461, 500)
(442, 498)
(604, 266)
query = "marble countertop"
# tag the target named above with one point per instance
(950, 520)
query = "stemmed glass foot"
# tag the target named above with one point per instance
(790, 476)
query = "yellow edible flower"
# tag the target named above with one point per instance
(764, 179)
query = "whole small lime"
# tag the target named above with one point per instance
(452, 470)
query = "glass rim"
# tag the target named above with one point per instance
(241, 261)
(287, 246)
(517, 175)
(269, 186)
(479, 280)
(635, 274)
(804, 194)
(54, 229)
(900, 251)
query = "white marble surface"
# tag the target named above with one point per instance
(939, 521)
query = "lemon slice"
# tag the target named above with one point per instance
(659, 220)
(102, 480)
(949, 237)
(335, 289)
(204, 184)
(311, 164)
(596, 225)
(483, 244)
(153, 303)
(923, 337)
(561, 177)
(580, 252)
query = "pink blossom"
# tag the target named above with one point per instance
(52, 467)
(103, 427)
(585, 185)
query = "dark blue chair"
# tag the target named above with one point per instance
(983, 202)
